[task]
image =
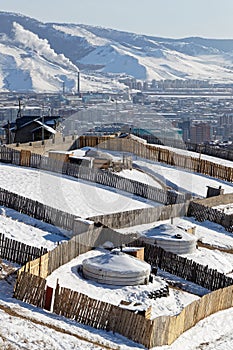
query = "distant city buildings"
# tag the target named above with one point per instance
(166, 84)
(192, 111)
(200, 133)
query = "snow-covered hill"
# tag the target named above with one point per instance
(42, 56)
(28, 61)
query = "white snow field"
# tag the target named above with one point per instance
(183, 180)
(140, 176)
(78, 197)
(180, 179)
(26, 327)
(24, 229)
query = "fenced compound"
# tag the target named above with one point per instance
(202, 213)
(183, 267)
(31, 285)
(163, 330)
(79, 244)
(159, 154)
(106, 178)
(95, 313)
(18, 252)
(160, 331)
(98, 234)
(223, 153)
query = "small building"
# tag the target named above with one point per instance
(213, 191)
(93, 158)
(116, 268)
(31, 128)
(171, 238)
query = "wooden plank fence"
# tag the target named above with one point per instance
(223, 153)
(8, 155)
(18, 252)
(163, 330)
(101, 177)
(141, 216)
(30, 289)
(159, 154)
(202, 213)
(36, 209)
(183, 267)
(67, 251)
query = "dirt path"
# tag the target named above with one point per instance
(13, 313)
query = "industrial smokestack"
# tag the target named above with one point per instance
(78, 83)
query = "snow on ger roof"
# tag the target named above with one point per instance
(117, 263)
(167, 232)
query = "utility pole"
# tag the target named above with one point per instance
(19, 114)
(42, 130)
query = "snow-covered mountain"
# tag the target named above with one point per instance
(36, 56)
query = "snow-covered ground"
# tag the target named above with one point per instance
(69, 277)
(140, 176)
(71, 195)
(27, 327)
(20, 333)
(177, 178)
(225, 208)
(24, 229)
(183, 180)
(208, 233)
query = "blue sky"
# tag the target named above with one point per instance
(167, 18)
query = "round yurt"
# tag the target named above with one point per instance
(116, 268)
(171, 238)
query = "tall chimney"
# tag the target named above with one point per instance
(78, 83)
